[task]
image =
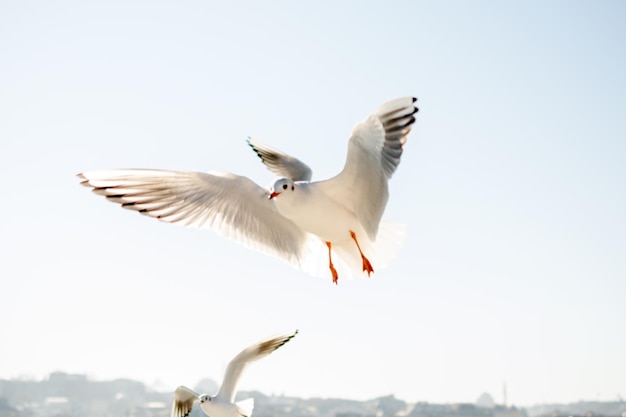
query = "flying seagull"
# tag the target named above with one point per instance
(222, 404)
(312, 225)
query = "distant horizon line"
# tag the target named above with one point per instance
(90, 378)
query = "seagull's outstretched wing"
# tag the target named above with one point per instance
(231, 205)
(374, 152)
(281, 164)
(183, 402)
(250, 354)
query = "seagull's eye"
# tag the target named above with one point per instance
(284, 186)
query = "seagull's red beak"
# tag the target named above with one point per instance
(274, 194)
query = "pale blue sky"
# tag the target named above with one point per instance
(511, 185)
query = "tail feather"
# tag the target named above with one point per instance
(245, 407)
(390, 238)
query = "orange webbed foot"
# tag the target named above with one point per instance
(333, 271)
(367, 266)
(335, 275)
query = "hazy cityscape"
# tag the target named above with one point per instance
(69, 395)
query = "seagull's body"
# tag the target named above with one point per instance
(304, 205)
(223, 403)
(300, 221)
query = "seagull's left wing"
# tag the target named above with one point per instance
(281, 164)
(250, 354)
(183, 402)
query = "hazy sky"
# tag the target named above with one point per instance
(512, 186)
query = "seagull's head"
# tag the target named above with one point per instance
(206, 403)
(282, 185)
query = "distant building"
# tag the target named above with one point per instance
(73, 395)
(6, 410)
(424, 409)
(485, 400)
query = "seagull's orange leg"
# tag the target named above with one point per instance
(367, 266)
(330, 264)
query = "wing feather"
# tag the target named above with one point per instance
(232, 205)
(183, 402)
(374, 152)
(250, 354)
(281, 164)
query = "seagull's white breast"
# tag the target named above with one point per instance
(316, 213)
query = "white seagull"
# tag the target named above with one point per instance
(222, 404)
(296, 220)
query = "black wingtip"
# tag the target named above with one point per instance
(250, 144)
(288, 338)
(256, 151)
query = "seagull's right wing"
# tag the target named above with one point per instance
(374, 152)
(250, 354)
(183, 402)
(231, 205)
(281, 164)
